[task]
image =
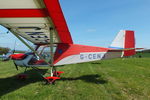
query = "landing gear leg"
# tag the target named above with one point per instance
(54, 76)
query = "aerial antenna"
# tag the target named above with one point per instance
(14, 47)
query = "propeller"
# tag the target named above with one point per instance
(13, 51)
(14, 62)
(15, 65)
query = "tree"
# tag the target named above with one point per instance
(4, 50)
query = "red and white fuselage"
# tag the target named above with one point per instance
(123, 45)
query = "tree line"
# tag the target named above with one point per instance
(4, 50)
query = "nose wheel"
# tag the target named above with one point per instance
(22, 76)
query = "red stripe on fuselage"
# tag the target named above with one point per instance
(14, 13)
(65, 50)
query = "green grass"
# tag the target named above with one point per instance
(142, 54)
(117, 79)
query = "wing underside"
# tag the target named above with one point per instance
(32, 20)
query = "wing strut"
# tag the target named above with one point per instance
(31, 47)
(14, 33)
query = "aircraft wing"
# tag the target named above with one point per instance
(32, 19)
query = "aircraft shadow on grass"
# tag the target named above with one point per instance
(97, 79)
(11, 84)
(95, 63)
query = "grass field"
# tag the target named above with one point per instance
(117, 79)
(145, 55)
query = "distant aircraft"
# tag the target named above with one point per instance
(42, 22)
(6, 57)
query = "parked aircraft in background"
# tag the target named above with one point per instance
(5, 57)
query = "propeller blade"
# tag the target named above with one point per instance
(16, 66)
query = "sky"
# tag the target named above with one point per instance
(96, 22)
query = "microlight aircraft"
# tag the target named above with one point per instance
(42, 22)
